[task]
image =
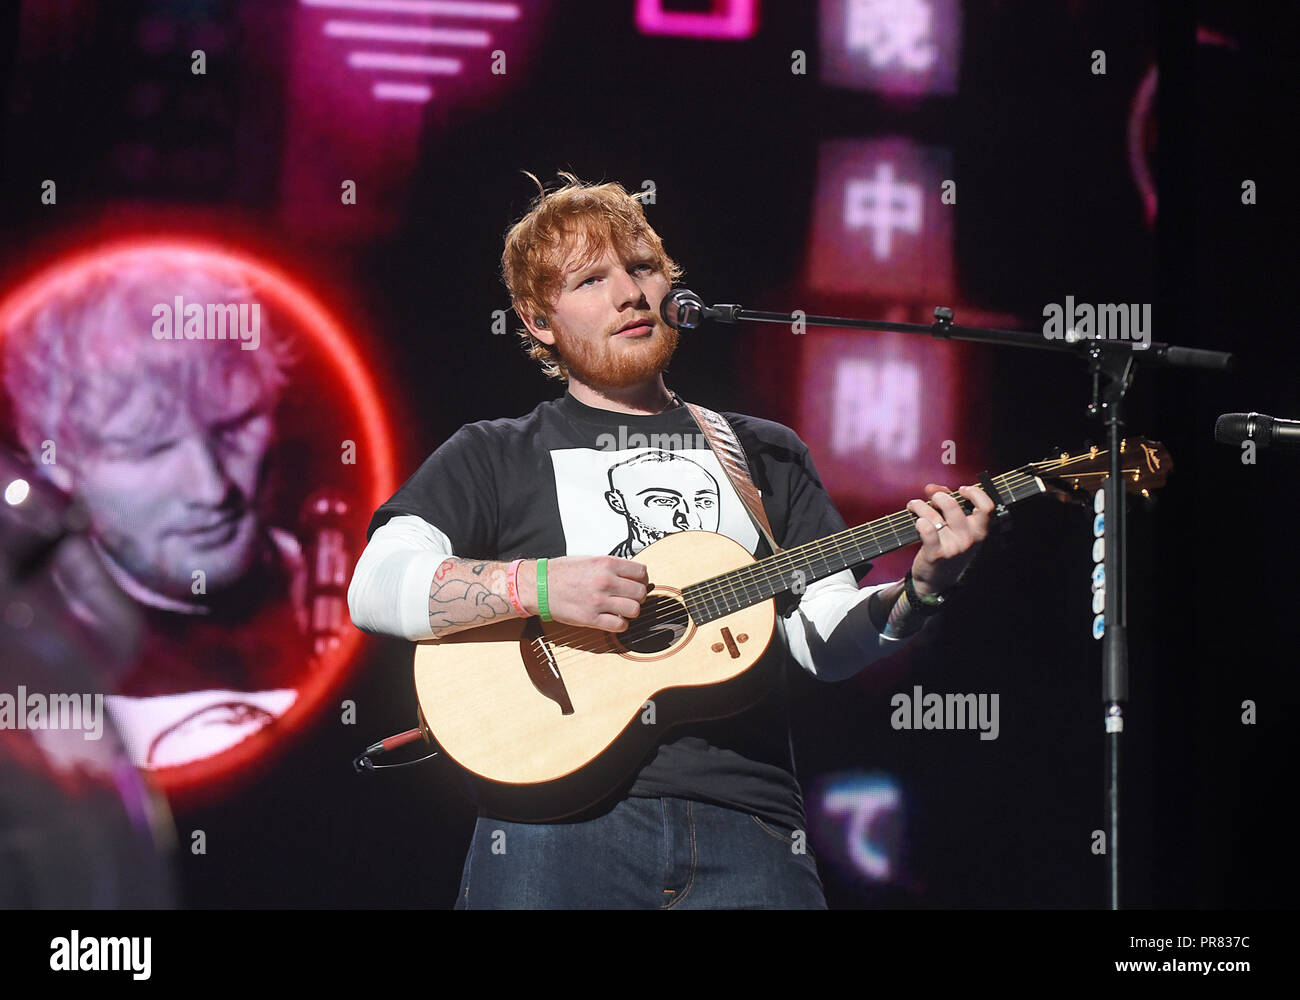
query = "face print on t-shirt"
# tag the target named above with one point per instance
(659, 493)
(618, 502)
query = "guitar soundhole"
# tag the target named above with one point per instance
(662, 623)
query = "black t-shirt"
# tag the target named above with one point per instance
(570, 479)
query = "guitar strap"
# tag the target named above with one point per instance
(731, 456)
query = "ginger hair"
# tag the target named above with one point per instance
(588, 218)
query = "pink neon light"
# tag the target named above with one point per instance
(1208, 36)
(1144, 102)
(396, 33)
(416, 92)
(727, 19)
(495, 11)
(432, 65)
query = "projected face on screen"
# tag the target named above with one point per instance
(168, 390)
(171, 479)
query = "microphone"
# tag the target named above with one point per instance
(1234, 428)
(682, 309)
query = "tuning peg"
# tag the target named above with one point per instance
(1148, 501)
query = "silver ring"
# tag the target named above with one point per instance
(941, 525)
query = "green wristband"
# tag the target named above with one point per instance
(543, 606)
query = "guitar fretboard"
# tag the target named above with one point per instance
(795, 568)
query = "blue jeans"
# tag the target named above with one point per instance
(661, 853)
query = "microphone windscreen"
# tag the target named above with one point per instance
(1193, 357)
(682, 309)
(1234, 428)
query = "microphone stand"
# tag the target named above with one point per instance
(1113, 361)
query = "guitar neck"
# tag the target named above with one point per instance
(727, 593)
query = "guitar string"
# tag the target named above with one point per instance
(705, 592)
(891, 522)
(680, 614)
(760, 572)
(707, 589)
(749, 576)
(904, 521)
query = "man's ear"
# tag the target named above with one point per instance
(540, 327)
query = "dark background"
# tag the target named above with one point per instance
(730, 137)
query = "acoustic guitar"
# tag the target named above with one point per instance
(544, 718)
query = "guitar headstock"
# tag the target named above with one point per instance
(1144, 465)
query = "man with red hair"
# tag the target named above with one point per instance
(163, 431)
(714, 817)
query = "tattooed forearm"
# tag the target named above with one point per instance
(466, 593)
(892, 614)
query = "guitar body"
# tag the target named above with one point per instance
(526, 706)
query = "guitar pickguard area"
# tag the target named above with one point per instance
(662, 627)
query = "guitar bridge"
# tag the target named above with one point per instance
(543, 671)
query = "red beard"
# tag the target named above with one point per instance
(610, 363)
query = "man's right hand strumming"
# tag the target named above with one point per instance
(591, 591)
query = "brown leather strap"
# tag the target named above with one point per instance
(731, 456)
